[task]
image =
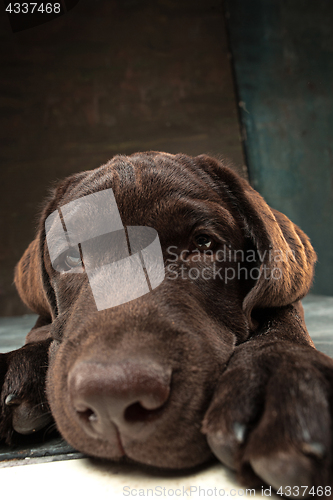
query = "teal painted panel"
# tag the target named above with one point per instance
(283, 62)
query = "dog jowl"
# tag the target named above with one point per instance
(166, 342)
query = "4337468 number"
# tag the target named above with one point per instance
(33, 7)
(301, 491)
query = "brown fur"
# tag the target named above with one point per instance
(239, 356)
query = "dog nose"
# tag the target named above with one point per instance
(125, 395)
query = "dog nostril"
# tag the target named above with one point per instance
(87, 415)
(137, 413)
(92, 416)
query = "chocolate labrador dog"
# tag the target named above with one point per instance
(214, 359)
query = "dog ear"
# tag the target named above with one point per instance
(31, 279)
(286, 256)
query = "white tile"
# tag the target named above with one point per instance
(84, 479)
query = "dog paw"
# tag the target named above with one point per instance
(23, 404)
(270, 417)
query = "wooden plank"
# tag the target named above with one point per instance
(283, 62)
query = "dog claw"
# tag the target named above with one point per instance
(314, 448)
(239, 430)
(12, 399)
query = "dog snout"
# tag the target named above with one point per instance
(122, 397)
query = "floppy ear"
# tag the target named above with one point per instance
(285, 253)
(31, 278)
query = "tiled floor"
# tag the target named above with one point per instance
(86, 479)
(319, 320)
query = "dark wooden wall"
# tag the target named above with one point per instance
(108, 77)
(283, 58)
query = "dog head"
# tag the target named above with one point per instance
(136, 379)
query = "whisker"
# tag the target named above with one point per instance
(50, 428)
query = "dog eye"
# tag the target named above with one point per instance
(72, 258)
(203, 242)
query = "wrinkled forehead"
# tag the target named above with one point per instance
(140, 190)
(146, 175)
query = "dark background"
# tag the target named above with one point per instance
(283, 60)
(108, 77)
(192, 76)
